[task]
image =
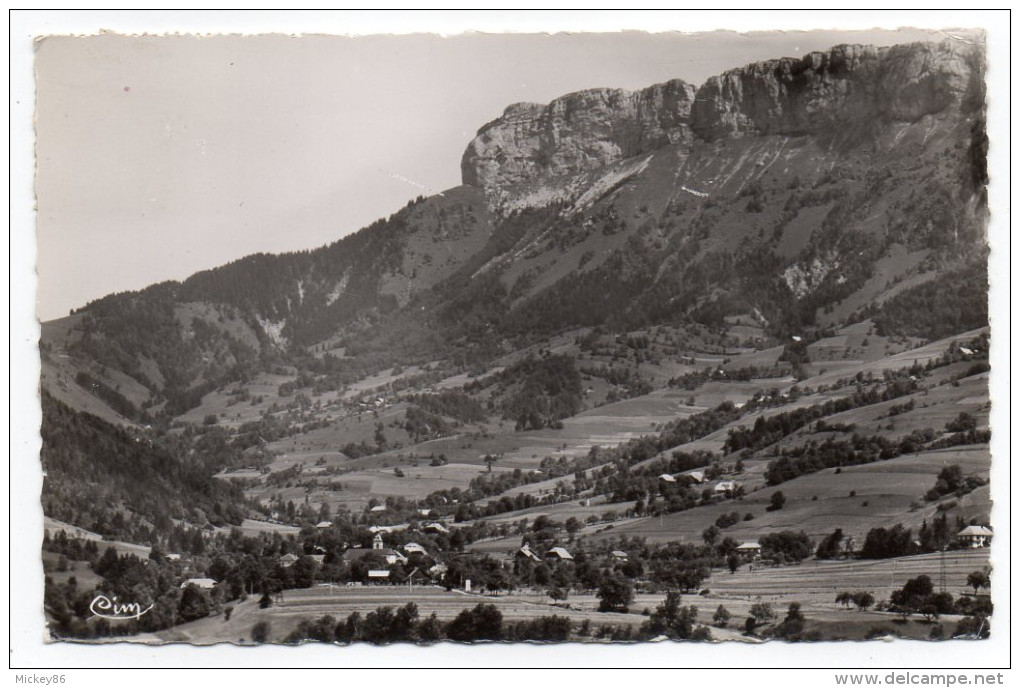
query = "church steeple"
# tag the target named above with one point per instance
(377, 542)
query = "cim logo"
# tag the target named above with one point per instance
(106, 608)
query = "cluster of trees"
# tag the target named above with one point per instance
(113, 398)
(858, 449)
(154, 583)
(692, 381)
(621, 376)
(451, 403)
(951, 480)
(954, 302)
(549, 391)
(125, 485)
(786, 546)
(483, 622)
(770, 429)
(862, 599)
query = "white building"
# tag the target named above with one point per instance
(975, 536)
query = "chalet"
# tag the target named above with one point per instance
(696, 476)
(379, 529)
(173, 557)
(425, 512)
(378, 509)
(322, 525)
(726, 487)
(436, 527)
(288, 560)
(667, 478)
(619, 555)
(966, 352)
(201, 583)
(974, 536)
(414, 548)
(559, 553)
(526, 552)
(438, 569)
(750, 550)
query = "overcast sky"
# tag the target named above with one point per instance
(161, 156)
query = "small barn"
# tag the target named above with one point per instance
(526, 552)
(378, 576)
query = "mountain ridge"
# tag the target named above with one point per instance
(748, 194)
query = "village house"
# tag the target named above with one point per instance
(322, 525)
(726, 487)
(414, 548)
(436, 527)
(696, 476)
(749, 550)
(559, 553)
(288, 560)
(667, 478)
(619, 555)
(974, 537)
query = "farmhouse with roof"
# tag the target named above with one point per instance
(559, 553)
(726, 487)
(414, 548)
(974, 537)
(749, 550)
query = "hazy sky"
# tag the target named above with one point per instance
(160, 156)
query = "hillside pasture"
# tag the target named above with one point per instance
(889, 488)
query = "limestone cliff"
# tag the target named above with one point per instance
(848, 83)
(579, 132)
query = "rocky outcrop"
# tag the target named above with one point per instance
(848, 83)
(579, 132)
(585, 131)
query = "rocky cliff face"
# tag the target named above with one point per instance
(850, 82)
(579, 132)
(589, 130)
